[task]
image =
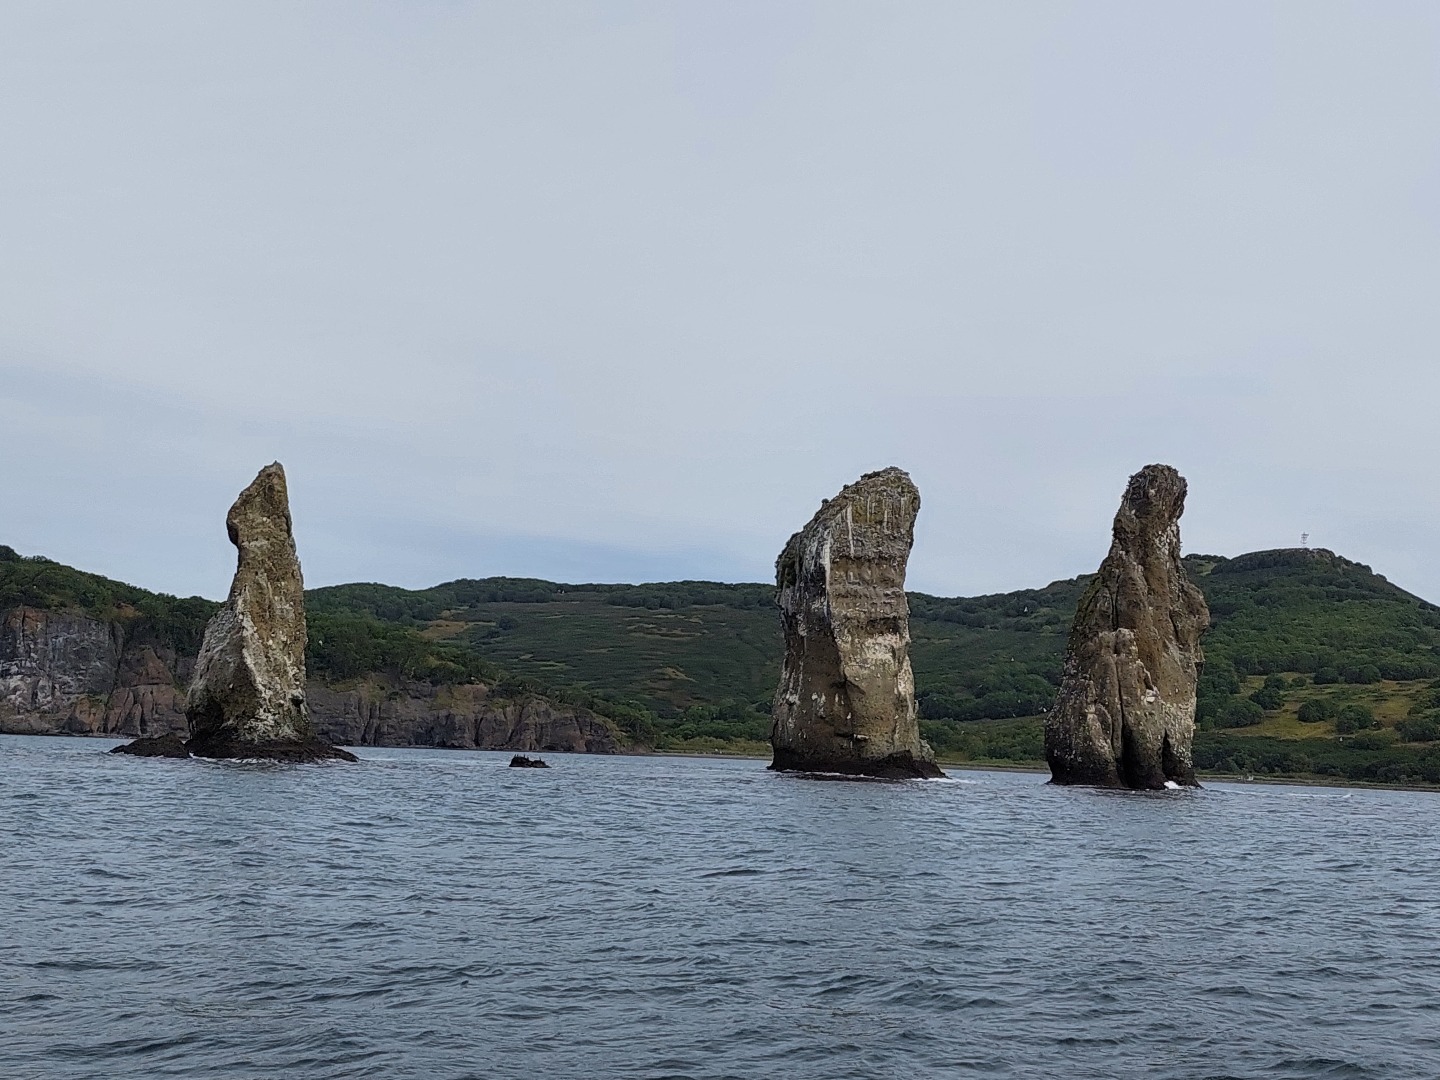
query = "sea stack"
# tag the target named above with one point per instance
(846, 701)
(247, 695)
(1125, 714)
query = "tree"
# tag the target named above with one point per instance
(1240, 714)
(1271, 694)
(1419, 729)
(1364, 674)
(1354, 718)
(1317, 711)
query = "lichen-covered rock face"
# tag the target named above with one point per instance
(247, 695)
(846, 701)
(1125, 714)
(55, 668)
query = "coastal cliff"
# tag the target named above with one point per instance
(81, 654)
(465, 717)
(68, 674)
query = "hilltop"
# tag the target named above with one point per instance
(1315, 663)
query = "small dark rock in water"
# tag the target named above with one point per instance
(156, 746)
(520, 761)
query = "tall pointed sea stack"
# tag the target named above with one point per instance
(846, 702)
(247, 695)
(1125, 714)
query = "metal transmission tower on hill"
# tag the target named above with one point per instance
(1304, 540)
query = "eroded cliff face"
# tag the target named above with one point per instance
(846, 700)
(1125, 713)
(63, 673)
(468, 717)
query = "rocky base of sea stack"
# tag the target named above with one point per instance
(1138, 781)
(895, 767)
(291, 750)
(172, 746)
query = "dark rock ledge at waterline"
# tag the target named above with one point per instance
(247, 693)
(846, 700)
(291, 750)
(1125, 713)
(171, 746)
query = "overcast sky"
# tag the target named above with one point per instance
(613, 291)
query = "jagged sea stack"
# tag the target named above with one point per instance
(846, 702)
(1125, 714)
(247, 695)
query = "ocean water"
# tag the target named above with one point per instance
(434, 914)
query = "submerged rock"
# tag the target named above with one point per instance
(1125, 713)
(172, 746)
(247, 694)
(520, 761)
(846, 701)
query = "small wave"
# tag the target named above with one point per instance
(1258, 791)
(857, 779)
(1337, 1068)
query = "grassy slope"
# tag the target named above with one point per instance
(672, 660)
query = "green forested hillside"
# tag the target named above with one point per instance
(1315, 664)
(35, 581)
(678, 645)
(703, 658)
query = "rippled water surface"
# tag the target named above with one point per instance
(434, 914)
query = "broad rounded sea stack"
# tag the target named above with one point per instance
(1125, 714)
(247, 694)
(846, 701)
